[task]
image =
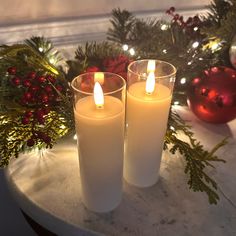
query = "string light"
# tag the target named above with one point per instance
(164, 27)
(214, 46)
(125, 47)
(189, 63)
(52, 60)
(195, 28)
(200, 58)
(131, 51)
(164, 51)
(75, 137)
(183, 81)
(40, 49)
(195, 44)
(172, 128)
(176, 102)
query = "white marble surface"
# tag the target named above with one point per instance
(48, 189)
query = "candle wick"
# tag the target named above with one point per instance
(99, 106)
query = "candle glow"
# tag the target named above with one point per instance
(151, 66)
(98, 95)
(150, 83)
(99, 77)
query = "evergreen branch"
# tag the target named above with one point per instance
(196, 157)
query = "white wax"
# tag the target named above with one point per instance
(147, 117)
(101, 149)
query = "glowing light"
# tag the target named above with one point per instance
(189, 63)
(200, 59)
(195, 28)
(150, 83)
(172, 128)
(214, 46)
(164, 51)
(99, 77)
(164, 27)
(98, 95)
(52, 60)
(183, 81)
(131, 51)
(195, 44)
(62, 127)
(40, 49)
(176, 102)
(75, 137)
(125, 47)
(151, 66)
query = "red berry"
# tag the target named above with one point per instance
(34, 88)
(46, 110)
(44, 98)
(32, 75)
(27, 96)
(41, 79)
(16, 81)
(23, 101)
(30, 142)
(28, 114)
(25, 120)
(51, 79)
(46, 139)
(26, 83)
(11, 70)
(48, 88)
(59, 88)
(41, 120)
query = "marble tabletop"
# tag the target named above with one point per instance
(46, 186)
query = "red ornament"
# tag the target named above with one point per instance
(11, 70)
(212, 97)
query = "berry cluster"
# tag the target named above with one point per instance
(38, 95)
(191, 25)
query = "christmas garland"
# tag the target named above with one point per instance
(36, 100)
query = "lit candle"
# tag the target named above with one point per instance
(100, 129)
(148, 104)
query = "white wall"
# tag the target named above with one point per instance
(16, 11)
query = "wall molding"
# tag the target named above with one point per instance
(72, 31)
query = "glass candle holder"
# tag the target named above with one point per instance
(149, 91)
(99, 111)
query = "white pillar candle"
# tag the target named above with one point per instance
(100, 131)
(148, 104)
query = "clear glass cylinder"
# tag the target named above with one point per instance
(149, 92)
(100, 135)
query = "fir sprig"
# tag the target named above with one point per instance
(196, 157)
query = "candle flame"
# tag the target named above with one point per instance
(150, 83)
(98, 95)
(151, 66)
(99, 77)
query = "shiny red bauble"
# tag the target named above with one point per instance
(212, 97)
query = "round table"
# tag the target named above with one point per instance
(46, 186)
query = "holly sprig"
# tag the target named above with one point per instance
(35, 105)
